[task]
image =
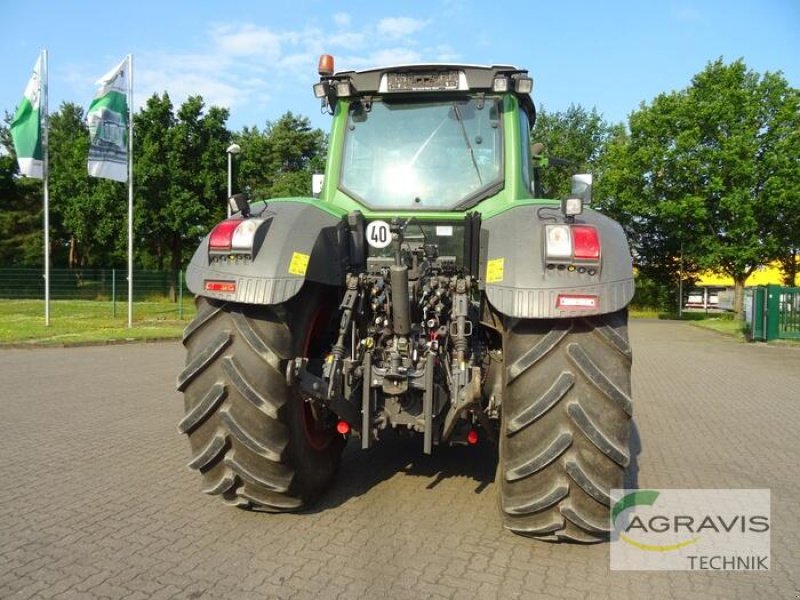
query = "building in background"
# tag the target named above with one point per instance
(715, 291)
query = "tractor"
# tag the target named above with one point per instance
(425, 288)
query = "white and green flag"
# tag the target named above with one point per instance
(26, 128)
(107, 119)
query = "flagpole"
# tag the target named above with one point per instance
(46, 177)
(130, 190)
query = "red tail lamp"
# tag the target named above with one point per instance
(586, 242)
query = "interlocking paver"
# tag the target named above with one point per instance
(97, 501)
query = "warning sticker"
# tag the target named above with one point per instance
(299, 264)
(494, 270)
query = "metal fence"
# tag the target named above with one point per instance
(773, 312)
(92, 284)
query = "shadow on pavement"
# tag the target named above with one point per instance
(361, 470)
(632, 472)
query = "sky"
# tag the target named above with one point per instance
(259, 58)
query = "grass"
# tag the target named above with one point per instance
(643, 313)
(720, 322)
(728, 326)
(76, 322)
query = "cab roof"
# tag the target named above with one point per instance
(417, 77)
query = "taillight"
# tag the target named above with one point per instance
(559, 241)
(568, 243)
(244, 235)
(236, 236)
(586, 242)
(220, 238)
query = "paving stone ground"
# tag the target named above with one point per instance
(96, 500)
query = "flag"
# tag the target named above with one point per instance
(107, 119)
(26, 128)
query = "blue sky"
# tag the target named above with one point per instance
(259, 58)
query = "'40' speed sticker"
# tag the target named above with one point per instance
(378, 234)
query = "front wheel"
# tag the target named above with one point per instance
(254, 440)
(565, 425)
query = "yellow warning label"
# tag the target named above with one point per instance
(299, 264)
(494, 270)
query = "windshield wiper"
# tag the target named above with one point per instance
(466, 141)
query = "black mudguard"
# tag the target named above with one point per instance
(518, 282)
(301, 243)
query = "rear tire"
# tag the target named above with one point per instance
(253, 439)
(566, 418)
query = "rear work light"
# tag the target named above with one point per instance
(500, 84)
(572, 243)
(523, 85)
(241, 237)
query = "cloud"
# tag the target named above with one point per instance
(250, 64)
(188, 61)
(181, 85)
(399, 27)
(445, 53)
(342, 19)
(244, 62)
(348, 40)
(247, 40)
(381, 58)
(301, 64)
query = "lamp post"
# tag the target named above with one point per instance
(232, 149)
(680, 286)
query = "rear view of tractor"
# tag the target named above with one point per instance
(427, 289)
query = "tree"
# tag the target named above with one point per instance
(279, 161)
(576, 136)
(702, 170)
(21, 241)
(657, 236)
(152, 166)
(782, 188)
(88, 213)
(180, 181)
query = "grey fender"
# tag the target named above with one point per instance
(518, 282)
(297, 242)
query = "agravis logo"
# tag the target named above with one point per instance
(645, 498)
(690, 529)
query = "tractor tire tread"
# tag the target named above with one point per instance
(565, 425)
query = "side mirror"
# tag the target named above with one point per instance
(240, 203)
(580, 196)
(581, 187)
(317, 179)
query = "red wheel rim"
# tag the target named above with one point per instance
(318, 438)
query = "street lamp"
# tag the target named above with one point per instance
(232, 149)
